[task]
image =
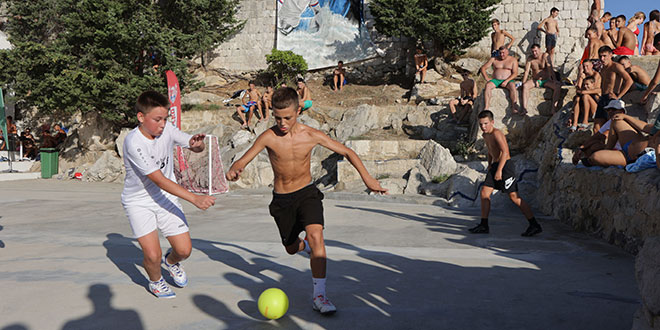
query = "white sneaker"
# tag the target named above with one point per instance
(323, 305)
(161, 290)
(177, 272)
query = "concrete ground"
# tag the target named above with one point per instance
(68, 262)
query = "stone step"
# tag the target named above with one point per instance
(395, 168)
(386, 149)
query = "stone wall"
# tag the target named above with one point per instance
(522, 17)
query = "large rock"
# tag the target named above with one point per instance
(648, 63)
(379, 169)
(119, 142)
(95, 133)
(240, 138)
(428, 91)
(198, 97)
(432, 76)
(647, 273)
(463, 187)
(470, 64)
(417, 177)
(108, 168)
(360, 120)
(437, 160)
(386, 149)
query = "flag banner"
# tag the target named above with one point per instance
(174, 94)
(3, 119)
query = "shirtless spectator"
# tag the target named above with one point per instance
(651, 29)
(421, 64)
(594, 44)
(47, 140)
(612, 32)
(339, 75)
(603, 34)
(642, 126)
(609, 74)
(641, 79)
(60, 134)
(267, 102)
(505, 69)
(246, 109)
(12, 134)
(550, 27)
(656, 77)
(588, 96)
(624, 143)
(540, 75)
(498, 38)
(466, 100)
(625, 40)
(305, 95)
(29, 144)
(633, 25)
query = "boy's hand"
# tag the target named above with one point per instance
(204, 201)
(619, 116)
(498, 176)
(232, 175)
(374, 186)
(197, 141)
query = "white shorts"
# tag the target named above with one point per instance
(169, 219)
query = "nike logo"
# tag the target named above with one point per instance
(509, 182)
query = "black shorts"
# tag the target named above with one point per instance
(294, 211)
(600, 110)
(508, 184)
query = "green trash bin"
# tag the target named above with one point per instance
(49, 158)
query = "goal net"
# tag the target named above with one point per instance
(201, 172)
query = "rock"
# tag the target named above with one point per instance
(652, 106)
(95, 133)
(394, 186)
(463, 187)
(386, 149)
(417, 176)
(240, 138)
(261, 126)
(432, 76)
(214, 81)
(428, 91)
(198, 97)
(108, 168)
(421, 116)
(442, 68)
(355, 122)
(379, 169)
(437, 160)
(120, 141)
(309, 121)
(470, 64)
(647, 273)
(648, 63)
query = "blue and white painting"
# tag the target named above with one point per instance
(323, 31)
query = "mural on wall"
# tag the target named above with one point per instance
(324, 31)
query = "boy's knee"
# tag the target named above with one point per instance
(293, 248)
(183, 253)
(153, 257)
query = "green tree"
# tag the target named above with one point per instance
(284, 66)
(452, 25)
(99, 55)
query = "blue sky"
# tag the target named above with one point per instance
(630, 7)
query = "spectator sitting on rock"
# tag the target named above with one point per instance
(339, 76)
(642, 126)
(588, 96)
(540, 74)
(586, 69)
(466, 100)
(609, 74)
(624, 143)
(267, 101)
(656, 77)
(505, 69)
(421, 64)
(612, 32)
(305, 95)
(60, 134)
(641, 79)
(498, 38)
(29, 144)
(47, 140)
(246, 109)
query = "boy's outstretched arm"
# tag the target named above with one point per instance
(201, 201)
(353, 158)
(237, 167)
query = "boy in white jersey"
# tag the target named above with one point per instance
(150, 191)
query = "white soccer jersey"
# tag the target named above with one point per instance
(142, 157)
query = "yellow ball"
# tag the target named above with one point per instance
(273, 303)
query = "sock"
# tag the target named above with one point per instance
(307, 248)
(532, 221)
(319, 286)
(154, 282)
(484, 222)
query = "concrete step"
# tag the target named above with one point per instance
(386, 149)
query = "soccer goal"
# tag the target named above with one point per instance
(201, 172)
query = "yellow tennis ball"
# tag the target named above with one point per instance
(273, 303)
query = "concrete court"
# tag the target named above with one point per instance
(68, 262)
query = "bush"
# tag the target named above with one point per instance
(285, 66)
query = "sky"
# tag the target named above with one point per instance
(629, 8)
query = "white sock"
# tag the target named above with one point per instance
(154, 282)
(319, 286)
(307, 248)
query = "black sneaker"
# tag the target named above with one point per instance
(532, 230)
(479, 229)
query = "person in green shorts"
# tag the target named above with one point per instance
(505, 69)
(304, 94)
(539, 73)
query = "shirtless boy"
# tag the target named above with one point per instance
(604, 34)
(641, 79)
(501, 176)
(505, 69)
(609, 74)
(612, 32)
(304, 94)
(466, 100)
(550, 27)
(656, 77)
(339, 75)
(421, 64)
(594, 43)
(296, 204)
(587, 96)
(624, 143)
(247, 107)
(498, 38)
(540, 75)
(642, 126)
(625, 40)
(267, 102)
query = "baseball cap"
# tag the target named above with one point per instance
(616, 104)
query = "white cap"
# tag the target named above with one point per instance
(616, 104)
